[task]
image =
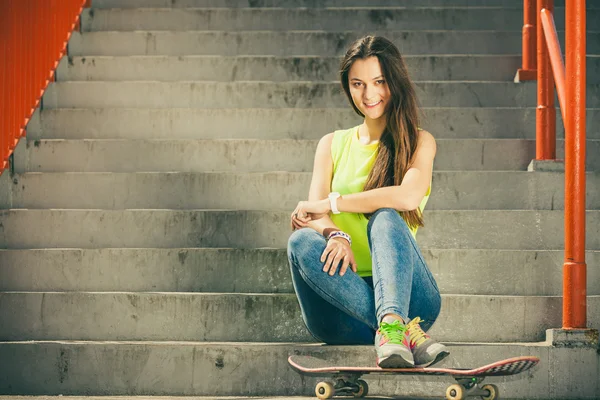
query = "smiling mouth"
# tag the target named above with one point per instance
(372, 104)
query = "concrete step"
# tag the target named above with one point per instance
(473, 229)
(283, 123)
(238, 369)
(475, 272)
(330, 19)
(246, 68)
(252, 317)
(72, 397)
(214, 95)
(460, 190)
(242, 155)
(312, 3)
(297, 43)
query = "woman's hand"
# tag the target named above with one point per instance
(338, 249)
(307, 211)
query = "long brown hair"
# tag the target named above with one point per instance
(398, 142)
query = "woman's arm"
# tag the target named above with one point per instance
(338, 252)
(405, 197)
(320, 185)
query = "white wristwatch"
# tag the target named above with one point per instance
(333, 196)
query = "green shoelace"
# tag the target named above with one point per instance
(393, 332)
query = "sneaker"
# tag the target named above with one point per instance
(393, 346)
(425, 350)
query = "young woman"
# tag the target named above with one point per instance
(356, 268)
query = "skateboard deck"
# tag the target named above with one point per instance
(346, 379)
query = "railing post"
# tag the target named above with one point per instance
(574, 269)
(529, 61)
(546, 111)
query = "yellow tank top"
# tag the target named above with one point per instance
(352, 163)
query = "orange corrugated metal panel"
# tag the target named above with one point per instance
(33, 37)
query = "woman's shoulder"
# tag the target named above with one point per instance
(425, 137)
(424, 132)
(337, 136)
(333, 143)
(426, 146)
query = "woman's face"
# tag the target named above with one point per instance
(368, 87)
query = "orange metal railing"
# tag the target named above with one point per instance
(575, 269)
(571, 88)
(545, 120)
(556, 59)
(33, 38)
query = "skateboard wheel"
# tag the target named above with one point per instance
(492, 389)
(324, 390)
(363, 389)
(455, 392)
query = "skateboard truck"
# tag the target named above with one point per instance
(351, 385)
(345, 385)
(467, 387)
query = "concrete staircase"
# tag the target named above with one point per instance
(144, 227)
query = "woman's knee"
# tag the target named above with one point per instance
(303, 245)
(302, 238)
(386, 220)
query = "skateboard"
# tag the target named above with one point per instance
(347, 380)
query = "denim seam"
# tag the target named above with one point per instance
(416, 250)
(377, 284)
(391, 308)
(429, 275)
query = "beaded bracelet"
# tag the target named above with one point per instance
(340, 234)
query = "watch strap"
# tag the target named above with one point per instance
(333, 202)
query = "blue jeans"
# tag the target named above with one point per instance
(347, 309)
